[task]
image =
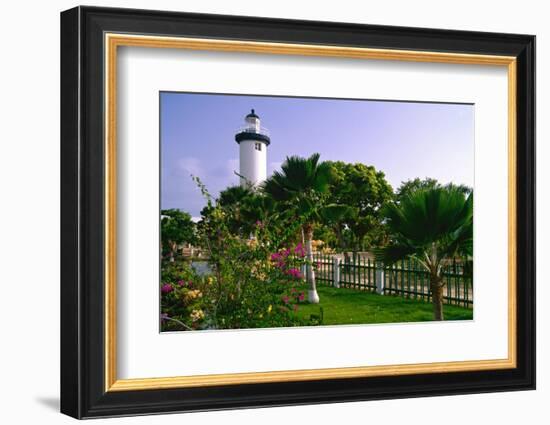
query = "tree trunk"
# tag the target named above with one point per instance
(437, 297)
(173, 247)
(340, 238)
(312, 295)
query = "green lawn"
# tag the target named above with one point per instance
(347, 306)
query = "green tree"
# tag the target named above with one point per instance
(236, 202)
(234, 195)
(245, 209)
(432, 226)
(176, 227)
(409, 186)
(364, 190)
(302, 186)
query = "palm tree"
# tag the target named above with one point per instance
(302, 185)
(432, 226)
(234, 195)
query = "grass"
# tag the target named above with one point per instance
(343, 306)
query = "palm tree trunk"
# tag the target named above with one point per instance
(312, 295)
(437, 297)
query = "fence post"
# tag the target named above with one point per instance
(336, 272)
(380, 281)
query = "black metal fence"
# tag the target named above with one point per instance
(406, 278)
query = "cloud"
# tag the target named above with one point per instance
(190, 165)
(180, 191)
(223, 169)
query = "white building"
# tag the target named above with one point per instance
(253, 141)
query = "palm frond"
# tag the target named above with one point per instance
(393, 253)
(323, 177)
(436, 218)
(334, 213)
(275, 188)
(428, 215)
(297, 176)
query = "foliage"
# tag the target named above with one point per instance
(244, 207)
(364, 190)
(183, 297)
(302, 187)
(300, 180)
(433, 226)
(234, 297)
(259, 293)
(176, 228)
(416, 184)
(253, 280)
(236, 201)
(259, 241)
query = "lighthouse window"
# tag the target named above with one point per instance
(258, 146)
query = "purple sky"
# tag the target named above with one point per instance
(403, 139)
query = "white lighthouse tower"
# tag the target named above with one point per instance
(253, 141)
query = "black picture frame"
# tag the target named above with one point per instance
(83, 392)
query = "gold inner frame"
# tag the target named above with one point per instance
(113, 41)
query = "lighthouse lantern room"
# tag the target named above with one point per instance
(253, 141)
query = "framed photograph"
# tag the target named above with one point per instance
(261, 212)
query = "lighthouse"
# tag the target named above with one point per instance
(253, 141)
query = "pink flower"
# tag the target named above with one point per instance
(294, 273)
(166, 288)
(275, 256)
(285, 299)
(299, 250)
(301, 296)
(181, 282)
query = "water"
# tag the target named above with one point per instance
(202, 268)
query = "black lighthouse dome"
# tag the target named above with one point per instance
(252, 114)
(252, 130)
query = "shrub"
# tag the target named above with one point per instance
(184, 296)
(253, 282)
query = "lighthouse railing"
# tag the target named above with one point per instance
(253, 129)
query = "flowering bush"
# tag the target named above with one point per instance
(183, 295)
(255, 290)
(254, 280)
